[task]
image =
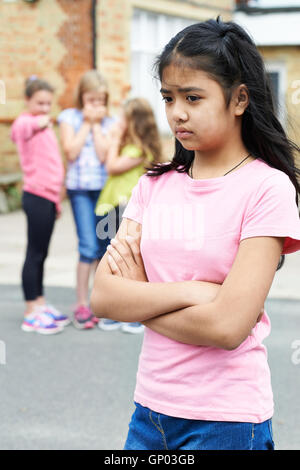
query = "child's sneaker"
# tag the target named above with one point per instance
(95, 320)
(106, 324)
(40, 322)
(83, 318)
(133, 327)
(59, 318)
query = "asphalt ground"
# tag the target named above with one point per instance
(74, 390)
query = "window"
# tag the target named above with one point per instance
(273, 3)
(150, 33)
(277, 76)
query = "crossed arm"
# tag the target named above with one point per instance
(192, 312)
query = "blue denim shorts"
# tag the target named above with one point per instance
(149, 430)
(83, 203)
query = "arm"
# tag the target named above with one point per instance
(30, 125)
(129, 299)
(228, 320)
(100, 142)
(72, 143)
(97, 113)
(116, 164)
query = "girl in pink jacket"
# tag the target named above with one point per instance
(43, 175)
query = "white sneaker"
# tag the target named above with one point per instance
(133, 327)
(106, 324)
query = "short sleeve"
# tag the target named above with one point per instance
(67, 116)
(136, 204)
(107, 123)
(131, 151)
(273, 212)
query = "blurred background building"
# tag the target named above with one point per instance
(275, 28)
(60, 39)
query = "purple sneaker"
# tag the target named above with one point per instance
(83, 318)
(58, 317)
(40, 322)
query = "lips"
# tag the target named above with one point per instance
(182, 133)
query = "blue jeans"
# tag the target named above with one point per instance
(83, 203)
(149, 430)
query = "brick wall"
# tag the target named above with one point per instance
(113, 40)
(76, 36)
(29, 45)
(113, 47)
(114, 21)
(53, 39)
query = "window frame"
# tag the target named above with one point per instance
(280, 68)
(141, 49)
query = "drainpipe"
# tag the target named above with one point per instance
(94, 32)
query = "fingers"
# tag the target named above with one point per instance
(113, 266)
(117, 260)
(123, 252)
(135, 250)
(126, 256)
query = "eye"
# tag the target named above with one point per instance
(167, 99)
(193, 98)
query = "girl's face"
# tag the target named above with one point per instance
(40, 102)
(196, 109)
(94, 98)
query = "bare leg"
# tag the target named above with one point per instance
(94, 266)
(30, 306)
(41, 300)
(83, 274)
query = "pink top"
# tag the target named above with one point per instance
(191, 230)
(39, 157)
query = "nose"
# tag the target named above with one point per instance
(179, 113)
(45, 108)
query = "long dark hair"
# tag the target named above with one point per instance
(228, 55)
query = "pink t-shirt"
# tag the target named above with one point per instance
(191, 230)
(41, 162)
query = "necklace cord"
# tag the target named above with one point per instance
(191, 168)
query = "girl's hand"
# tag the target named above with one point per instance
(45, 121)
(99, 113)
(58, 210)
(88, 114)
(94, 114)
(125, 259)
(116, 132)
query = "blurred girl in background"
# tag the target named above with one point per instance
(134, 144)
(83, 131)
(43, 174)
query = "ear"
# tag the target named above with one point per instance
(241, 99)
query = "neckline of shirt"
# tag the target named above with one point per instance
(199, 183)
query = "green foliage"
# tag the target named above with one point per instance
(14, 197)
